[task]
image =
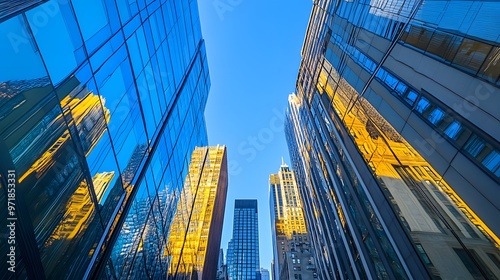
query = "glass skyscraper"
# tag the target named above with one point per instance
(393, 133)
(101, 105)
(243, 249)
(196, 230)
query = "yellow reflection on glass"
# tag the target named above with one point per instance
(438, 220)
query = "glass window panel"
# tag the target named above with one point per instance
(453, 130)
(63, 57)
(91, 15)
(422, 105)
(401, 88)
(475, 145)
(141, 39)
(471, 54)
(411, 97)
(444, 45)
(19, 49)
(494, 259)
(436, 116)
(491, 67)
(126, 9)
(492, 161)
(419, 37)
(134, 54)
(391, 81)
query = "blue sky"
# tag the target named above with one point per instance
(253, 50)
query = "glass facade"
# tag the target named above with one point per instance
(196, 230)
(394, 139)
(101, 105)
(243, 249)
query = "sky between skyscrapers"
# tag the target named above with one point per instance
(254, 49)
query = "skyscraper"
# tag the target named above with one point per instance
(243, 249)
(291, 247)
(395, 141)
(264, 274)
(196, 230)
(101, 105)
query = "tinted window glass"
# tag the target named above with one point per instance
(491, 67)
(471, 54)
(475, 145)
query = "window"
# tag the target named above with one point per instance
(491, 67)
(444, 45)
(492, 162)
(418, 36)
(471, 54)
(411, 97)
(436, 116)
(494, 259)
(423, 254)
(474, 146)
(401, 88)
(453, 130)
(422, 105)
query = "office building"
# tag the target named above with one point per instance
(101, 106)
(393, 134)
(292, 254)
(242, 258)
(221, 267)
(196, 230)
(264, 274)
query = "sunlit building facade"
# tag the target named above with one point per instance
(101, 106)
(393, 134)
(242, 258)
(196, 230)
(291, 247)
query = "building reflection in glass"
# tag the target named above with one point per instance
(196, 230)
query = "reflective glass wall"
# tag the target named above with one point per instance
(394, 138)
(101, 105)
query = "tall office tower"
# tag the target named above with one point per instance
(264, 274)
(393, 134)
(243, 249)
(101, 105)
(196, 230)
(221, 267)
(291, 247)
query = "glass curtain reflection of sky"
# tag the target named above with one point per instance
(253, 51)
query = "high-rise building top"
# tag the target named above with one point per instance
(101, 105)
(243, 249)
(196, 230)
(292, 253)
(264, 274)
(394, 139)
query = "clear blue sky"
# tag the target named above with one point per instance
(253, 50)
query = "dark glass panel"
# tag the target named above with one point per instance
(471, 54)
(491, 66)
(418, 36)
(444, 45)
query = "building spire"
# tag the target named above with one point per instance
(282, 161)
